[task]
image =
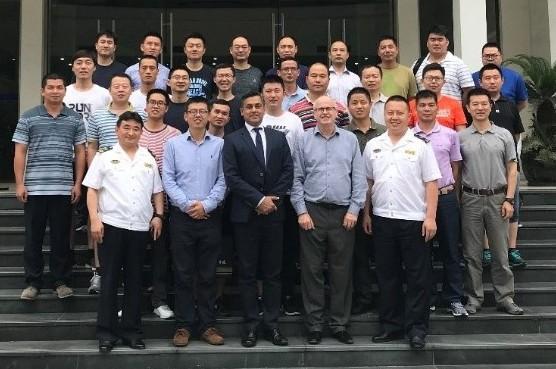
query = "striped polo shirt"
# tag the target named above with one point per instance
(155, 141)
(304, 110)
(102, 127)
(457, 75)
(50, 142)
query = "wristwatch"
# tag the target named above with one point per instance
(510, 200)
(160, 216)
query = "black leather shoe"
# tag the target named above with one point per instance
(274, 336)
(387, 337)
(314, 337)
(359, 308)
(343, 337)
(134, 343)
(417, 342)
(249, 339)
(105, 346)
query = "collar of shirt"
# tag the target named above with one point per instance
(129, 107)
(345, 71)
(490, 129)
(381, 98)
(435, 129)
(251, 128)
(448, 56)
(117, 149)
(298, 91)
(64, 111)
(316, 131)
(406, 138)
(353, 127)
(187, 136)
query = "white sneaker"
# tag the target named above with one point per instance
(164, 312)
(94, 288)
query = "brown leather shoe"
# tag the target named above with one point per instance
(181, 337)
(213, 336)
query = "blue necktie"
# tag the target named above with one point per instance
(259, 144)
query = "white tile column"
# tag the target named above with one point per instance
(470, 31)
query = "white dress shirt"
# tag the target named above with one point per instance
(253, 134)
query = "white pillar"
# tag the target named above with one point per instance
(470, 31)
(32, 52)
(552, 28)
(408, 30)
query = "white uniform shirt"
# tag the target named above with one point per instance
(125, 187)
(399, 173)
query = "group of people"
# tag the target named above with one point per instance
(312, 166)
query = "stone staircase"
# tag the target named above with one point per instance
(53, 333)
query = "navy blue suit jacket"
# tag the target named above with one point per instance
(249, 179)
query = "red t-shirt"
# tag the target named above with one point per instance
(450, 113)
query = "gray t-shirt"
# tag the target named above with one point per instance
(485, 156)
(247, 80)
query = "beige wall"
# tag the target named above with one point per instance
(408, 30)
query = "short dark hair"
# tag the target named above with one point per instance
(367, 66)
(152, 34)
(248, 95)
(196, 100)
(148, 57)
(287, 36)
(272, 79)
(425, 94)
(195, 35)
(477, 91)
(178, 67)
(358, 90)
(489, 66)
(434, 66)
(287, 58)
(334, 41)
(159, 91)
(398, 98)
(491, 44)
(84, 53)
(129, 115)
(238, 36)
(219, 102)
(108, 34)
(225, 66)
(387, 37)
(439, 29)
(48, 76)
(121, 75)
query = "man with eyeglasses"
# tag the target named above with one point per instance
(287, 49)
(148, 70)
(154, 136)
(248, 77)
(328, 192)
(513, 87)
(288, 70)
(450, 112)
(225, 79)
(178, 82)
(194, 182)
(458, 79)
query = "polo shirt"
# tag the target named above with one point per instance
(125, 187)
(457, 75)
(289, 100)
(364, 137)
(450, 113)
(341, 84)
(485, 156)
(504, 113)
(513, 87)
(399, 173)
(304, 110)
(50, 146)
(102, 127)
(445, 145)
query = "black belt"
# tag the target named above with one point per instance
(484, 191)
(328, 205)
(446, 190)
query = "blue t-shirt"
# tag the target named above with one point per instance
(513, 88)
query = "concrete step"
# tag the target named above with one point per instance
(538, 195)
(480, 350)
(537, 230)
(8, 201)
(12, 218)
(12, 256)
(81, 326)
(538, 250)
(529, 213)
(16, 236)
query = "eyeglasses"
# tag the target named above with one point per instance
(180, 78)
(490, 56)
(433, 79)
(224, 76)
(197, 111)
(327, 109)
(157, 102)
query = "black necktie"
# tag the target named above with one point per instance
(259, 144)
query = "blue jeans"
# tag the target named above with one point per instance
(448, 236)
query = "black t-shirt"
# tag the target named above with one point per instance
(505, 114)
(175, 116)
(201, 82)
(103, 73)
(236, 120)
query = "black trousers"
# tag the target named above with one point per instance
(399, 242)
(291, 250)
(121, 248)
(160, 262)
(195, 246)
(259, 247)
(57, 211)
(362, 251)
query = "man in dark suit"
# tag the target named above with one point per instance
(259, 171)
